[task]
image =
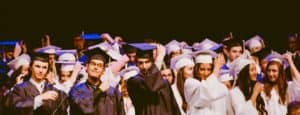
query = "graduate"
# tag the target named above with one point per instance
(94, 96)
(184, 65)
(245, 96)
(204, 93)
(150, 94)
(37, 96)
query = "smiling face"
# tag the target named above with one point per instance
(39, 70)
(252, 72)
(273, 72)
(95, 68)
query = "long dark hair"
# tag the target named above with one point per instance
(281, 82)
(246, 85)
(180, 87)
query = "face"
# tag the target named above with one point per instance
(39, 70)
(205, 70)
(64, 76)
(255, 49)
(144, 64)
(252, 72)
(52, 59)
(175, 53)
(78, 43)
(273, 72)
(293, 44)
(188, 71)
(167, 75)
(263, 64)
(131, 57)
(235, 52)
(25, 69)
(95, 68)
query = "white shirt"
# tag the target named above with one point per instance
(239, 104)
(272, 105)
(178, 98)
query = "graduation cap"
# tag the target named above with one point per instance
(50, 49)
(256, 41)
(207, 44)
(129, 72)
(23, 59)
(66, 56)
(91, 36)
(173, 45)
(275, 56)
(8, 43)
(204, 56)
(102, 51)
(67, 67)
(180, 61)
(144, 50)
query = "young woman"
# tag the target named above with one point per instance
(205, 94)
(245, 96)
(184, 65)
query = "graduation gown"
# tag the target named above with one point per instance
(272, 105)
(86, 100)
(151, 95)
(21, 101)
(207, 97)
(239, 104)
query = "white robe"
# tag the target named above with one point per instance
(239, 104)
(178, 98)
(207, 97)
(272, 105)
(128, 106)
(294, 91)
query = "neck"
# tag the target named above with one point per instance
(93, 81)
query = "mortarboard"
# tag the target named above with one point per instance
(67, 67)
(23, 59)
(97, 54)
(66, 56)
(275, 56)
(180, 61)
(207, 44)
(204, 56)
(91, 36)
(144, 50)
(173, 45)
(50, 49)
(8, 43)
(108, 49)
(256, 41)
(129, 72)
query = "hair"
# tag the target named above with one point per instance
(233, 43)
(281, 82)
(246, 85)
(293, 106)
(196, 71)
(180, 86)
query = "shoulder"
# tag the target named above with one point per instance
(22, 85)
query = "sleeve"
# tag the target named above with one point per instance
(80, 102)
(202, 93)
(239, 105)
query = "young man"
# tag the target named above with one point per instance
(37, 96)
(95, 97)
(150, 94)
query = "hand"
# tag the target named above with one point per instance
(107, 37)
(49, 95)
(50, 77)
(258, 87)
(118, 39)
(288, 56)
(104, 86)
(219, 61)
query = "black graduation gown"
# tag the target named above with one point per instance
(151, 95)
(85, 100)
(21, 101)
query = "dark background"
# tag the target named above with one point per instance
(163, 21)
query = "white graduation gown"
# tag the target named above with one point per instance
(239, 104)
(272, 105)
(207, 97)
(294, 91)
